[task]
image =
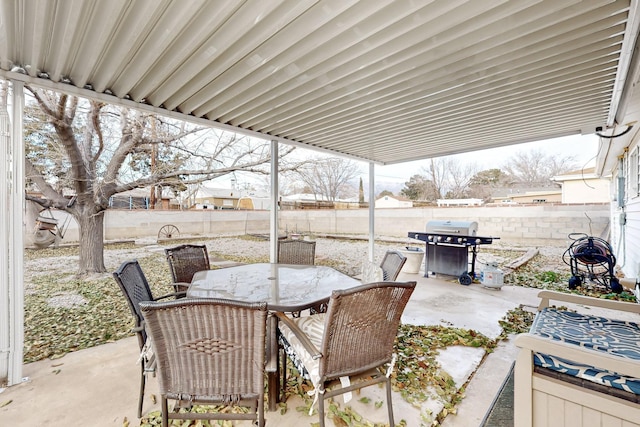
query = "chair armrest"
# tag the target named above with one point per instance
(183, 286)
(577, 354)
(173, 294)
(546, 296)
(304, 339)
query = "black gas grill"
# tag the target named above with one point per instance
(448, 244)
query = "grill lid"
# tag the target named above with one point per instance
(462, 228)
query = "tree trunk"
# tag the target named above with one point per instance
(91, 231)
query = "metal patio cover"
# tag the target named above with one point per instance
(379, 80)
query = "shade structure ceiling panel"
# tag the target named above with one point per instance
(381, 80)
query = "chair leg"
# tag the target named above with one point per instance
(389, 404)
(260, 412)
(283, 388)
(142, 384)
(321, 410)
(165, 412)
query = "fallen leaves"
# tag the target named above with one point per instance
(52, 330)
(417, 375)
(516, 321)
(417, 371)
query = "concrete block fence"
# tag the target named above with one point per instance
(529, 225)
(522, 225)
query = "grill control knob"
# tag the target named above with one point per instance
(448, 239)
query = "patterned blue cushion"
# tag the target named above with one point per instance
(615, 337)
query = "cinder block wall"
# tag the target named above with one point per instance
(121, 224)
(535, 225)
(529, 225)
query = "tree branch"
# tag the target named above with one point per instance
(56, 199)
(96, 107)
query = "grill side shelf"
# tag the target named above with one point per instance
(455, 239)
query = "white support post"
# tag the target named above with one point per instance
(372, 206)
(273, 214)
(5, 303)
(11, 249)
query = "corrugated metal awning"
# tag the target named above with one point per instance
(381, 80)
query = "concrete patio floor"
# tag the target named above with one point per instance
(99, 386)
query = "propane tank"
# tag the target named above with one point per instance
(491, 276)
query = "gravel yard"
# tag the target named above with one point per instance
(345, 254)
(65, 313)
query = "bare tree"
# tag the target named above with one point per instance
(535, 167)
(329, 178)
(436, 172)
(93, 151)
(450, 177)
(459, 177)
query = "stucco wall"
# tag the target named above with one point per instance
(586, 191)
(531, 225)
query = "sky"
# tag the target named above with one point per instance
(392, 177)
(582, 147)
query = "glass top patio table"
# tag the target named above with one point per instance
(284, 287)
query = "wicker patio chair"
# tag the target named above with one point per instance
(296, 252)
(209, 352)
(301, 252)
(184, 261)
(391, 265)
(135, 287)
(354, 339)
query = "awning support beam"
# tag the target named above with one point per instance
(273, 214)
(372, 206)
(12, 203)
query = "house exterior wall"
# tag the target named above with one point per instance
(627, 243)
(625, 211)
(586, 191)
(392, 202)
(213, 202)
(532, 197)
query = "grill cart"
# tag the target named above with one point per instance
(448, 244)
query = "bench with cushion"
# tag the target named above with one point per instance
(579, 368)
